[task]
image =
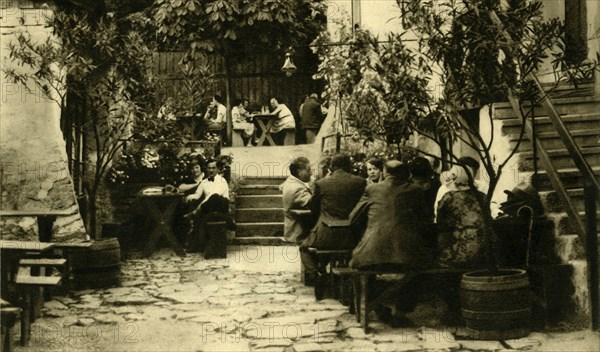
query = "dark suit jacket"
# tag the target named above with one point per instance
(334, 198)
(399, 230)
(312, 116)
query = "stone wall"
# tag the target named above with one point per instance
(34, 167)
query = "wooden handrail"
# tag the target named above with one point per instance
(588, 235)
(558, 186)
(335, 134)
(589, 178)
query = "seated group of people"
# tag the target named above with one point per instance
(207, 194)
(397, 218)
(215, 118)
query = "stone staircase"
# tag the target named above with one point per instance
(581, 116)
(580, 112)
(257, 173)
(259, 211)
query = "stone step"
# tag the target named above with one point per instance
(259, 229)
(552, 203)
(259, 241)
(543, 124)
(275, 180)
(258, 190)
(550, 140)
(561, 158)
(258, 215)
(563, 226)
(577, 105)
(259, 201)
(571, 178)
(569, 247)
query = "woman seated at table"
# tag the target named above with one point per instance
(242, 120)
(285, 120)
(460, 222)
(189, 186)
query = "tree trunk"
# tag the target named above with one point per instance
(92, 213)
(228, 96)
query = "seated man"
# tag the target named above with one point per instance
(297, 195)
(285, 120)
(242, 120)
(216, 114)
(398, 233)
(398, 237)
(335, 197)
(214, 192)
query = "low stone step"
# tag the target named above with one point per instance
(570, 177)
(551, 140)
(577, 105)
(544, 124)
(259, 201)
(569, 247)
(259, 241)
(259, 229)
(275, 180)
(552, 202)
(561, 158)
(563, 225)
(258, 215)
(258, 190)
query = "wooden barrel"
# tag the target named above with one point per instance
(96, 266)
(496, 305)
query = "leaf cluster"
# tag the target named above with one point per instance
(237, 29)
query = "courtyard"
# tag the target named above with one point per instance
(251, 301)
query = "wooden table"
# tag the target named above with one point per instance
(265, 127)
(45, 219)
(161, 208)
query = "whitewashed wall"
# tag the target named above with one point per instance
(33, 160)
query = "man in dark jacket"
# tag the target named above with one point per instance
(334, 198)
(398, 230)
(312, 118)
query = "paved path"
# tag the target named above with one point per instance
(251, 301)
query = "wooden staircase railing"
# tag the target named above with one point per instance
(587, 232)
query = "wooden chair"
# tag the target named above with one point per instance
(9, 316)
(32, 277)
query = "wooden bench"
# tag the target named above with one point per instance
(290, 136)
(236, 137)
(549, 283)
(32, 277)
(67, 250)
(327, 260)
(363, 304)
(9, 315)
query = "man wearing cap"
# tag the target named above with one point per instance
(398, 233)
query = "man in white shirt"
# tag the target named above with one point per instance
(214, 192)
(216, 121)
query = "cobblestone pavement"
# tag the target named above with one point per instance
(251, 301)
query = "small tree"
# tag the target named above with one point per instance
(105, 64)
